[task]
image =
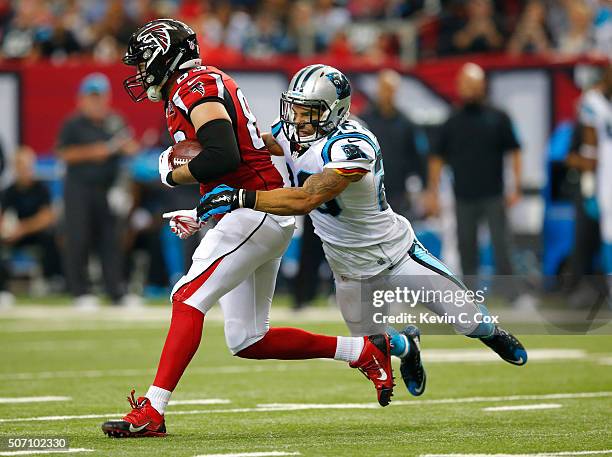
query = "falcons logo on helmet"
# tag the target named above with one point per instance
(157, 34)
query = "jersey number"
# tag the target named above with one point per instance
(331, 207)
(379, 172)
(258, 143)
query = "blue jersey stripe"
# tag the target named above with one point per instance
(276, 128)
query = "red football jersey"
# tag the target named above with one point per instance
(202, 84)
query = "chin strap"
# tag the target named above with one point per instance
(154, 93)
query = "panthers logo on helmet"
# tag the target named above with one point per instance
(343, 87)
(157, 34)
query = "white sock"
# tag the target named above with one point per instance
(159, 398)
(349, 348)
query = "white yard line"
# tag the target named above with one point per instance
(524, 407)
(46, 451)
(229, 369)
(280, 407)
(251, 454)
(67, 345)
(429, 356)
(605, 360)
(485, 355)
(11, 400)
(538, 454)
(201, 401)
(440, 401)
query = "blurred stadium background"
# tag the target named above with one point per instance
(538, 56)
(63, 372)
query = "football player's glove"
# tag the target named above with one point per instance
(183, 223)
(222, 199)
(164, 166)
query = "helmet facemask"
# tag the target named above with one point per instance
(318, 118)
(147, 83)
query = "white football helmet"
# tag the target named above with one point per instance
(323, 89)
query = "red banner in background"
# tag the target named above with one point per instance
(49, 95)
(48, 91)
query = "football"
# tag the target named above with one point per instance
(183, 151)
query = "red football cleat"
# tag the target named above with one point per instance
(143, 420)
(375, 363)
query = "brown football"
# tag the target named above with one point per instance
(183, 151)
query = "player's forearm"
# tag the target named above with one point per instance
(93, 152)
(271, 145)
(40, 221)
(434, 172)
(579, 162)
(290, 201)
(182, 175)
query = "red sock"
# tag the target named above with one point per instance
(181, 344)
(291, 344)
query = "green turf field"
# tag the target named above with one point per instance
(314, 408)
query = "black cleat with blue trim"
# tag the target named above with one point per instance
(411, 368)
(507, 346)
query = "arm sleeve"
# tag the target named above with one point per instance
(220, 154)
(350, 156)
(508, 135)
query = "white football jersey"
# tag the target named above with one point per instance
(596, 112)
(361, 234)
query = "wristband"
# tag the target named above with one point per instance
(170, 181)
(247, 198)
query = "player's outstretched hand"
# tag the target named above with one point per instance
(183, 223)
(222, 199)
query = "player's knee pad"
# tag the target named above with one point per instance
(237, 336)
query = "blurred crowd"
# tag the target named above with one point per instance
(111, 203)
(374, 29)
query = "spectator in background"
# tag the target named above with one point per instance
(480, 32)
(145, 223)
(58, 41)
(19, 40)
(2, 161)
(113, 32)
(474, 142)
(602, 32)
(265, 38)
(30, 203)
(91, 143)
(301, 30)
(329, 20)
(225, 26)
(531, 35)
(587, 237)
(396, 136)
(576, 39)
(6, 298)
